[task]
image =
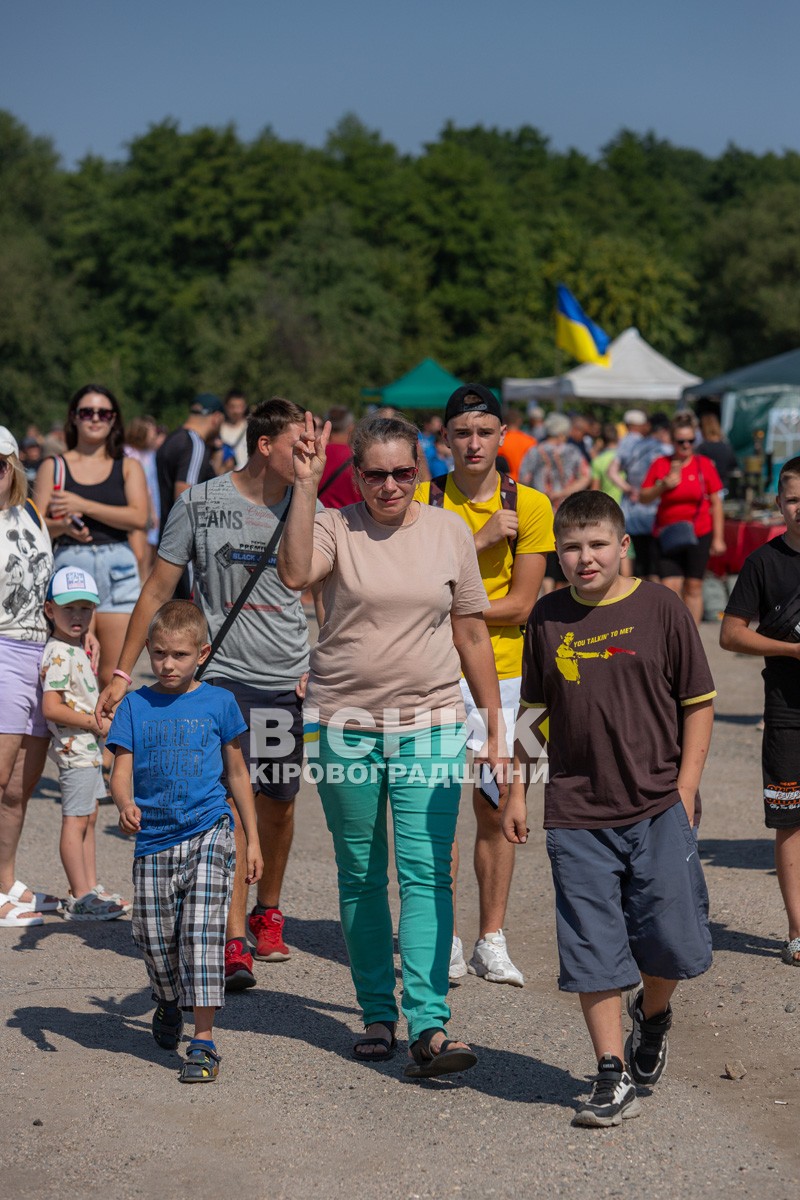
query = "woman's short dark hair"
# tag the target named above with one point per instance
(116, 436)
(270, 418)
(383, 429)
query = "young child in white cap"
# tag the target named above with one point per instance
(69, 698)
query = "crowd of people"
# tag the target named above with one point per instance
(423, 551)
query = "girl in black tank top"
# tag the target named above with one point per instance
(110, 508)
(110, 491)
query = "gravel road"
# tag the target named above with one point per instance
(91, 1107)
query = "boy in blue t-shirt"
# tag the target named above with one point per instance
(172, 743)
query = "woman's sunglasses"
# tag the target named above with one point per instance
(95, 414)
(398, 474)
(5, 466)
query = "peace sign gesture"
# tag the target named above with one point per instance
(309, 452)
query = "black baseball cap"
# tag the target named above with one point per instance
(470, 398)
(206, 404)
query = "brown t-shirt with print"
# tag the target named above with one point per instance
(614, 677)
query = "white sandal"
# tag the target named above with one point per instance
(41, 903)
(112, 897)
(20, 916)
(790, 948)
(91, 908)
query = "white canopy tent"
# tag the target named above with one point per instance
(638, 373)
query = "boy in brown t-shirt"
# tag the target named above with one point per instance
(619, 667)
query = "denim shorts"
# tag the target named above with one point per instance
(114, 568)
(21, 688)
(629, 900)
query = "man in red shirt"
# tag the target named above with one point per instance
(337, 486)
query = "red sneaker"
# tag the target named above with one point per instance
(266, 934)
(238, 966)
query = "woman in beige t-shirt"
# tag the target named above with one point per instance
(404, 605)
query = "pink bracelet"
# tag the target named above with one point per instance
(123, 675)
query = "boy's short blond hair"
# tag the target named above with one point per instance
(179, 616)
(588, 508)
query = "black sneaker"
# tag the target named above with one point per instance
(647, 1046)
(613, 1099)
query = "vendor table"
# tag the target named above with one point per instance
(741, 539)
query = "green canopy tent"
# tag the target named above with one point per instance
(426, 386)
(763, 396)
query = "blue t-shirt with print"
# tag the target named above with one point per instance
(176, 743)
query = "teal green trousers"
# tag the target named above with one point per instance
(416, 779)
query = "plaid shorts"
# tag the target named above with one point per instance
(180, 906)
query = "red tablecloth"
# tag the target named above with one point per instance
(741, 539)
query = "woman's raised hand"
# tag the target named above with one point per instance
(309, 452)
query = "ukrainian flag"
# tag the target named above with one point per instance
(576, 334)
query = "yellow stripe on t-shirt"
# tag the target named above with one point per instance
(698, 699)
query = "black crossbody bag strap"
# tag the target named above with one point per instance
(335, 475)
(243, 594)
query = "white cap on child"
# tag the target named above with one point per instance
(72, 583)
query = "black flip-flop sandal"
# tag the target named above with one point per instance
(167, 1027)
(389, 1045)
(201, 1066)
(429, 1063)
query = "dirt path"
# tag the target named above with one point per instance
(91, 1107)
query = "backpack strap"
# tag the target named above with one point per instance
(34, 514)
(436, 496)
(508, 500)
(59, 473)
(508, 497)
(508, 493)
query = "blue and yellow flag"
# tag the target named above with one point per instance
(576, 334)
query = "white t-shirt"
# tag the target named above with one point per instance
(235, 436)
(26, 564)
(66, 669)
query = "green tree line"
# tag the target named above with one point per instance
(202, 262)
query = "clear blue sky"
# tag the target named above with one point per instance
(93, 74)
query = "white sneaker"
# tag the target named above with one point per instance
(458, 966)
(490, 960)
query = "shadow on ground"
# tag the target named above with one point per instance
(116, 1029)
(751, 719)
(99, 935)
(754, 854)
(742, 942)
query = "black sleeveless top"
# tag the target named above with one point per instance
(110, 491)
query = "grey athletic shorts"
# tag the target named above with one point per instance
(629, 900)
(81, 788)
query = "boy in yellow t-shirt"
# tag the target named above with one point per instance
(512, 527)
